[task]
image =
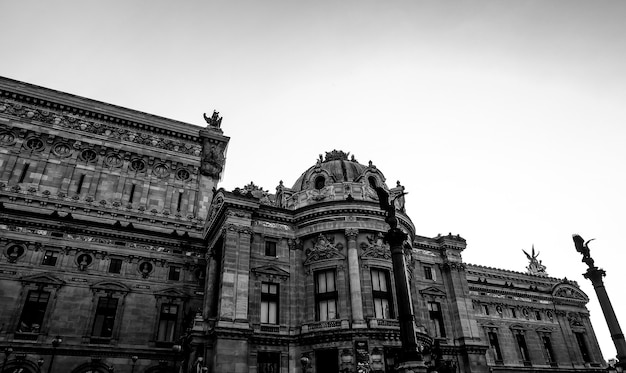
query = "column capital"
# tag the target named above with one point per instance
(352, 233)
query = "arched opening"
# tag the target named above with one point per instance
(320, 182)
(372, 181)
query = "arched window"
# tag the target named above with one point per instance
(372, 181)
(320, 182)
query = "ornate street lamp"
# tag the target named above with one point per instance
(56, 342)
(177, 350)
(304, 361)
(595, 274)
(410, 357)
(134, 358)
(40, 362)
(7, 351)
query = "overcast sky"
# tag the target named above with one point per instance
(504, 120)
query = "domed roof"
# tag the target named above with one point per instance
(335, 166)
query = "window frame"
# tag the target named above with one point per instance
(121, 264)
(386, 295)
(268, 298)
(170, 319)
(45, 259)
(436, 317)
(106, 312)
(326, 296)
(494, 343)
(271, 245)
(174, 273)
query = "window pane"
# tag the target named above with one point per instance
(330, 281)
(272, 313)
(264, 312)
(323, 310)
(332, 309)
(321, 282)
(264, 287)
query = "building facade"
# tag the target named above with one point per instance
(119, 253)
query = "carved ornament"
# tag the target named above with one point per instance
(375, 247)
(323, 248)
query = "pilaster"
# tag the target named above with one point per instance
(356, 297)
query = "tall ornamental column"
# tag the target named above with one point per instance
(356, 298)
(595, 274)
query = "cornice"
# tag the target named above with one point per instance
(93, 109)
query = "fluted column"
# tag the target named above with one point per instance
(356, 298)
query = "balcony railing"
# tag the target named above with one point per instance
(325, 325)
(384, 323)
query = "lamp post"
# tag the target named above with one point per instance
(7, 351)
(40, 362)
(595, 274)
(410, 357)
(134, 358)
(55, 343)
(304, 361)
(176, 349)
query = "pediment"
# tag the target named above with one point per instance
(270, 271)
(110, 286)
(543, 329)
(43, 278)
(433, 292)
(171, 293)
(570, 292)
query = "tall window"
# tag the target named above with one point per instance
(270, 248)
(521, 344)
(381, 292)
(115, 266)
(436, 318)
(495, 345)
(582, 345)
(547, 348)
(105, 317)
(174, 274)
(50, 258)
(268, 362)
(167, 322)
(325, 295)
(269, 303)
(428, 273)
(33, 312)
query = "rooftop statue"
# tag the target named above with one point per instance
(535, 266)
(581, 247)
(215, 120)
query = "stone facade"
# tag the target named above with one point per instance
(114, 238)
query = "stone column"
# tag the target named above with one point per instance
(356, 297)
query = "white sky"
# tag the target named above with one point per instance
(505, 120)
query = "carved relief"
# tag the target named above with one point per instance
(323, 248)
(213, 158)
(375, 247)
(85, 124)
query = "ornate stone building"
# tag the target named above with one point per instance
(118, 253)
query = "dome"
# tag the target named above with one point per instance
(335, 168)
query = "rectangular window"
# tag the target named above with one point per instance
(436, 319)
(105, 317)
(23, 174)
(547, 348)
(115, 266)
(167, 322)
(269, 303)
(523, 349)
(81, 180)
(538, 315)
(381, 292)
(428, 273)
(582, 345)
(132, 193)
(174, 274)
(495, 345)
(270, 248)
(268, 362)
(513, 313)
(50, 258)
(325, 296)
(486, 309)
(33, 312)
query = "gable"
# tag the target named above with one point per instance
(270, 271)
(432, 292)
(171, 293)
(113, 286)
(43, 278)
